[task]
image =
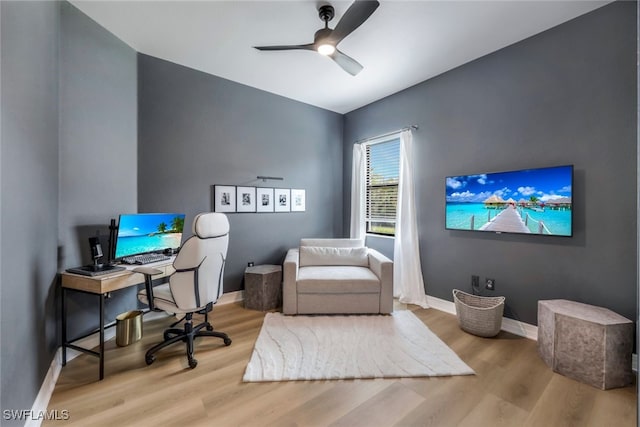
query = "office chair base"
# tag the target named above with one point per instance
(186, 335)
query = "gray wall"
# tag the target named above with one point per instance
(98, 149)
(197, 130)
(566, 96)
(637, 319)
(383, 244)
(98, 131)
(29, 198)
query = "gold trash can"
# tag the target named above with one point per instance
(128, 327)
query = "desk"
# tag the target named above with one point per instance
(101, 286)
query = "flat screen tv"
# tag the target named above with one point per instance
(148, 232)
(531, 201)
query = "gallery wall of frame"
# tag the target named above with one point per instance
(241, 199)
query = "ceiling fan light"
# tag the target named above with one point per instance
(326, 49)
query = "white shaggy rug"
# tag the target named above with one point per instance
(357, 346)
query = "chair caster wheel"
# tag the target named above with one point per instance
(227, 341)
(209, 327)
(149, 359)
(193, 363)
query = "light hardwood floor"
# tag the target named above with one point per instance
(512, 387)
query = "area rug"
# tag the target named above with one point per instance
(343, 347)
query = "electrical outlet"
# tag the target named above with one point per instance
(475, 282)
(491, 284)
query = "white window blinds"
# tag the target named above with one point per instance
(382, 176)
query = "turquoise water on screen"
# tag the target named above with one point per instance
(141, 244)
(458, 217)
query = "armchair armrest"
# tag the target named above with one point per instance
(382, 267)
(290, 277)
(148, 282)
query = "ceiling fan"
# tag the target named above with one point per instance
(326, 40)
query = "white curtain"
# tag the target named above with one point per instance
(358, 190)
(407, 272)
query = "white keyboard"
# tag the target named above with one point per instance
(144, 258)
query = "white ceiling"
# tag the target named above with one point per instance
(402, 43)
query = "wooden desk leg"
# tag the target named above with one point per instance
(64, 330)
(101, 336)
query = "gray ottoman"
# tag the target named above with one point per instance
(589, 344)
(263, 287)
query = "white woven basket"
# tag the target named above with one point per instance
(479, 315)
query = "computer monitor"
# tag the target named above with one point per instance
(148, 232)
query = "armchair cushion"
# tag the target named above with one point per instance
(333, 243)
(337, 280)
(319, 255)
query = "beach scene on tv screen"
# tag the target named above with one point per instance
(143, 233)
(533, 201)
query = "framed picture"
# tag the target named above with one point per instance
(224, 198)
(245, 199)
(264, 199)
(297, 200)
(281, 198)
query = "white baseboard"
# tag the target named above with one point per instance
(46, 390)
(231, 297)
(519, 328)
(91, 341)
(509, 325)
(442, 305)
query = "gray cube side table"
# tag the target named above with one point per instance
(263, 287)
(586, 343)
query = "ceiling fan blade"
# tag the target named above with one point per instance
(355, 16)
(309, 46)
(347, 63)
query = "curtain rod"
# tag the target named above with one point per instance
(362, 141)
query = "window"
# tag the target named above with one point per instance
(382, 176)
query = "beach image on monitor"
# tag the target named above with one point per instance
(143, 233)
(532, 201)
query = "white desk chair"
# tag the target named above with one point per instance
(194, 287)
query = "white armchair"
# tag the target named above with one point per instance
(325, 276)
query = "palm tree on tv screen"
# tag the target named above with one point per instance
(162, 227)
(177, 224)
